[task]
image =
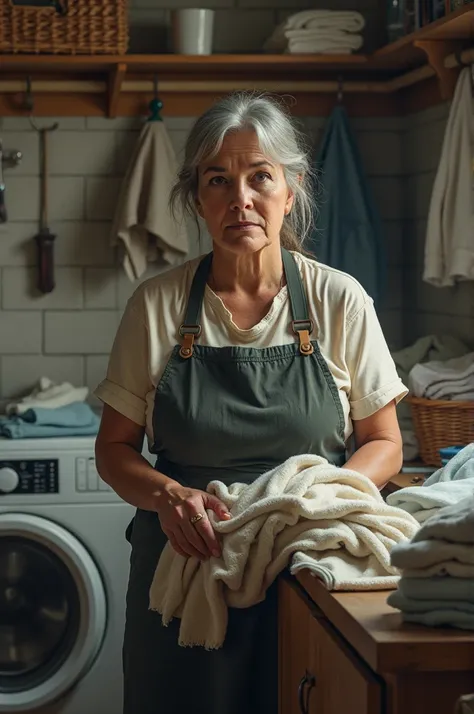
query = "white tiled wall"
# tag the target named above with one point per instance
(426, 309)
(68, 333)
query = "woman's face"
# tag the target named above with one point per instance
(242, 195)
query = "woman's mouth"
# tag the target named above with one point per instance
(243, 225)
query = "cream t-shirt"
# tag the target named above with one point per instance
(346, 327)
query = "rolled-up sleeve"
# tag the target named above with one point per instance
(374, 378)
(128, 381)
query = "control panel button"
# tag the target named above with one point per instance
(92, 476)
(9, 480)
(81, 474)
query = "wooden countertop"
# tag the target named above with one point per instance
(377, 633)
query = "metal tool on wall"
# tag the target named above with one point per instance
(7, 158)
(45, 239)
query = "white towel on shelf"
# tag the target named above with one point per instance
(449, 247)
(346, 20)
(319, 31)
(450, 379)
(143, 222)
(49, 395)
(323, 43)
(305, 512)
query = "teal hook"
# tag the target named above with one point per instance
(156, 105)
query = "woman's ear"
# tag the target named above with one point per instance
(289, 203)
(198, 205)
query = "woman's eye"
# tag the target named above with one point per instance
(217, 181)
(261, 177)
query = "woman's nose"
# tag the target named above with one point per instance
(241, 198)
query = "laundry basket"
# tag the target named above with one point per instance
(439, 423)
(64, 26)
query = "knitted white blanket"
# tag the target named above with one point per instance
(306, 513)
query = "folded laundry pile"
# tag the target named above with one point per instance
(76, 419)
(450, 380)
(50, 395)
(318, 31)
(437, 566)
(448, 486)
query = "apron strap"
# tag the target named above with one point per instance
(301, 324)
(191, 329)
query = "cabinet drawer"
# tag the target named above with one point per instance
(342, 682)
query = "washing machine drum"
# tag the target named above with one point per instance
(53, 611)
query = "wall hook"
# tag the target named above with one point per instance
(156, 105)
(30, 105)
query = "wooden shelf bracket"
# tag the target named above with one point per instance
(437, 51)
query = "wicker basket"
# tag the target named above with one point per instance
(64, 26)
(441, 423)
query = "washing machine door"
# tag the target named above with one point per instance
(53, 611)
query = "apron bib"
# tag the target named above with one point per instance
(228, 413)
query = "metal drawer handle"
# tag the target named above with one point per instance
(308, 681)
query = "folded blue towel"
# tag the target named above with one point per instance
(440, 588)
(75, 419)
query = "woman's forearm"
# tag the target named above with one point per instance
(379, 460)
(130, 475)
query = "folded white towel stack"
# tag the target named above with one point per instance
(49, 395)
(143, 222)
(450, 380)
(447, 486)
(306, 512)
(318, 32)
(437, 583)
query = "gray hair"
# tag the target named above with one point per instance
(280, 141)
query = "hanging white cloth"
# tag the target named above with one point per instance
(449, 246)
(143, 222)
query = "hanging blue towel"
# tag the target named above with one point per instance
(75, 419)
(347, 233)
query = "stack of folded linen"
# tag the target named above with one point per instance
(319, 32)
(437, 566)
(49, 395)
(75, 419)
(449, 485)
(450, 380)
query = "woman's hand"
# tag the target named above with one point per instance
(176, 507)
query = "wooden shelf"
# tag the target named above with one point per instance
(404, 53)
(122, 85)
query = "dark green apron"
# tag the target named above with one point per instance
(228, 413)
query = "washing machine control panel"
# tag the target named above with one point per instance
(29, 476)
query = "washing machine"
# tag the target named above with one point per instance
(64, 567)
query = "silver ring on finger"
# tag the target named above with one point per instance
(196, 518)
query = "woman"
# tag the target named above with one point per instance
(231, 364)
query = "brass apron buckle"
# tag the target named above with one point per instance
(188, 333)
(304, 328)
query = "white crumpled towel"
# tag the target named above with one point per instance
(143, 221)
(306, 513)
(447, 486)
(49, 395)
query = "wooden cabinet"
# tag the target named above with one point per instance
(318, 671)
(295, 668)
(351, 652)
